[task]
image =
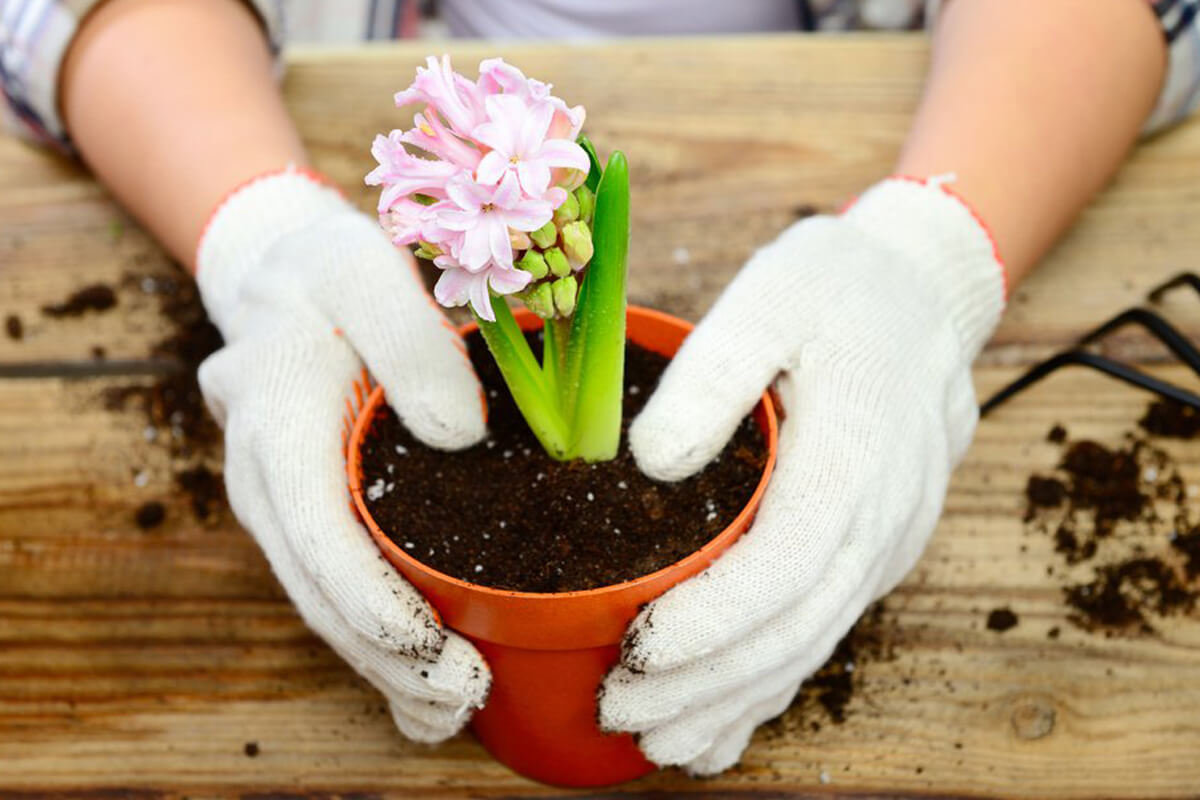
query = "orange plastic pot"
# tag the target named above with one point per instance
(549, 652)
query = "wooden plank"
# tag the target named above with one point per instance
(146, 660)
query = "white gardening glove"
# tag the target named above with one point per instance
(302, 285)
(870, 320)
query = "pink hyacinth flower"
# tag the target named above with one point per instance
(516, 132)
(457, 286)
(402, 173)
(433, 137)
(457, 99)
(495, 76)
(485, 213)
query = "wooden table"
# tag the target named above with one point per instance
(143, 662)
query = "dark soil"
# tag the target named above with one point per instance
(250, 749)
(1122, 594)
(172, 404)
(150, 515)
(503, 514)
(828, 694)
(14, 328)
(1134, 496)
(204, 487)
(1001, 620)
(1170, 419)
(97, 297)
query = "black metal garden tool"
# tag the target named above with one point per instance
(1153, 323)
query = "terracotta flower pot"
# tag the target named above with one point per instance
(549, 652)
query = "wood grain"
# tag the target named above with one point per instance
(140, 663)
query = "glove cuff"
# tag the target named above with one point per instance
(249, 221)
(948, 245)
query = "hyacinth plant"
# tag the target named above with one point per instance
(496, 184)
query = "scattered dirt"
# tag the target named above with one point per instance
(534, 524)
(1001, 620)
(827, 696)
(1120, 518)
(1170, 420)
(14, 328)
(250, 749)
(150, 515)
(172, 406)
(96, 297)
(204, 487)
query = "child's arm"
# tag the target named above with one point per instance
(1033, 104)
(172, 103)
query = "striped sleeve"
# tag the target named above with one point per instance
(34, 37)
(1181, 89)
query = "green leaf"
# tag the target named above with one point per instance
(596, 350)
(594, 173)
(523, 375)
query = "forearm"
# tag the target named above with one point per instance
(172, 103)
(1033, 105)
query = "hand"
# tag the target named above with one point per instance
(301, 285)
(870, 320)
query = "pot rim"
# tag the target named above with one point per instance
(366, 414)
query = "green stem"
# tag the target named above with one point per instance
(596, 350)
(525, 380)
(557, 331)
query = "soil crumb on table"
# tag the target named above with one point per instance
(14, 327)
(1122, 514)
(506, 515)
(96, 297)
(1001, 620)
(150, 515)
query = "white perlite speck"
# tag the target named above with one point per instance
(142, 478)
(401, 450)
(823, 777)
(375, 490)
(622, 485)
(591, 496)
(1150, 474)
(479, 567)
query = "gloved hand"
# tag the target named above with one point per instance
(871, 321)
(301, 286)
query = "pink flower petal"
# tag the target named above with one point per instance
(534, 175)
(481, 299)
(501, 245)
(492, 168)
(562, 153)
(529, 214)
(453, 287)
(476, 248)
(507, 281)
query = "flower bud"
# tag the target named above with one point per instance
(519, 239)
(587, 203)
(577, 243)
(564, 290)
(568, 211)
(556, 260)
(533, 263)
(573, 179)
(545, 236)
(541, 301)
(427, 250)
